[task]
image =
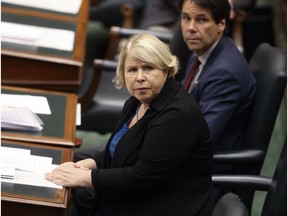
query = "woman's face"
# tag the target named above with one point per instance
(143, 80)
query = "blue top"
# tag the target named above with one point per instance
(117, 137)
(120, 133)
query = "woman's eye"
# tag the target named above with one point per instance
(148, 68)
(131, 70)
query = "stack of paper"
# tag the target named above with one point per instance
(19, 166)
(8, 165)
(19, 112)
(38, 104)
(20, 118)
(7, 172)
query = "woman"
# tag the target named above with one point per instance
(158, 161)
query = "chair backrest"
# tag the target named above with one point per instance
(102, 103)
(124, 13)
(276, 199)
(119, 34)
(244, 4)
(268, 65)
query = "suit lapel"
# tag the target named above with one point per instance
(213, 56)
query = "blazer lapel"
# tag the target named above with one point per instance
(128, 149)
(209, 62)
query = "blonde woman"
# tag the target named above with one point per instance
(158, 160)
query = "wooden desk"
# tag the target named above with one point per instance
(19, 200)
(59, 127)
(39, 67)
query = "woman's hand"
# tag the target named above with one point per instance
(87, 163)
(69, 175)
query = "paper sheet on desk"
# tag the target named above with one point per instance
(37, 104)
(64, 6)
(30, 163)
(33, 179)
(28, 169)
(52, 38)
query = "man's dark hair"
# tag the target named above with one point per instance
(220, 9)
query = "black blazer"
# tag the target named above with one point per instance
(162, 165)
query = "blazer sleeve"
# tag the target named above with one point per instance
(219, 97)
(160, 156)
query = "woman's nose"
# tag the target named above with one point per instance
(140, 76)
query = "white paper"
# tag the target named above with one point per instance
(59, 39)
(7, 169)
(17, 31)
(64, 6)
(37, 104)
(7, 172)
(9, 151)
(31, 178)
(18, 166)
(78, 114)
(31, 163)
(20, 118)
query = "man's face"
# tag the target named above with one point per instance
(199, 29)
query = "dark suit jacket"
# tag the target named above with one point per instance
(224, 93)
(162, 165)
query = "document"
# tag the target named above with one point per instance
(52, 38)
(64, 6)
(19, 112)
(20, 118)
(7, 172)
(24, 161)
(37, 104)
(30, 178)
(18, 166)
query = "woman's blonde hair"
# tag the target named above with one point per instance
(149, 49)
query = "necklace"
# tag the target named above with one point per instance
(137, 110)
